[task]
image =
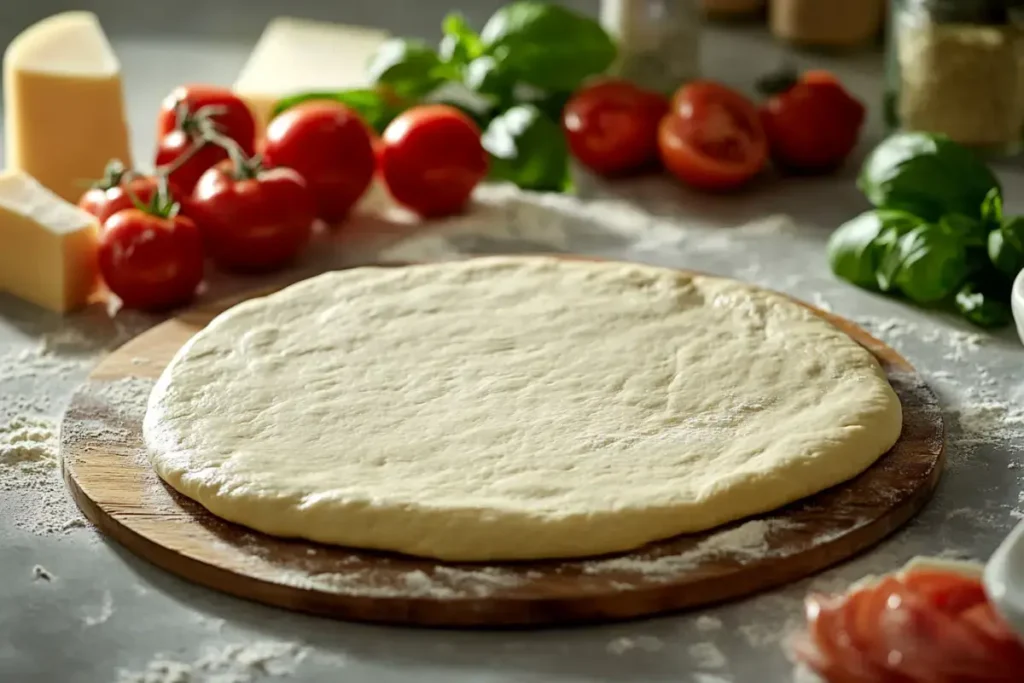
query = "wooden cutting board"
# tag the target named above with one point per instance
(108, 474)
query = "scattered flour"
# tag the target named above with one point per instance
(234, 663)
(102, 614)
(706, 655)
(709, 678)
(956, 345)
(707, 623)
(30, 475)
(621, 646)
(726, 239)
(745, 542)
(442, 583)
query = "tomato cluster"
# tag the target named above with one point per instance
(710, 136)
(251, 205)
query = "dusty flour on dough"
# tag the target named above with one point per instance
(234, 663)
(718, 398)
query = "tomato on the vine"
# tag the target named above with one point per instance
(151, 260)
(252, 218)
(612, 126)
(712, 138)
(330, 147)
(229, 114)
(119, 189)
(812, 122)
(432, 159)
(185, 156)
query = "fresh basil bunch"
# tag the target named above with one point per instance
(513, 78)
(937, 234)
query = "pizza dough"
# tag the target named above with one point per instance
(514, 408)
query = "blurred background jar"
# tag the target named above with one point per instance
(827, 23)
(659, 41)
(957, 67)
(732, 9)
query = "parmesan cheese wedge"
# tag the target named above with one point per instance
(295, 56)
(47, 245)
(64, 103)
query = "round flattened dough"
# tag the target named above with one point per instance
(514, 408)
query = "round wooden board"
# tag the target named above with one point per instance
(106, 469)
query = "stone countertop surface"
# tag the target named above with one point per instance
(76, 608)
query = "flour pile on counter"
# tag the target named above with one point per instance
(235, 663)
(29, 469)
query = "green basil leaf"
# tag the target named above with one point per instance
(992, 207)
(971, 231)
(528, 149)
(547, 45)
(933, 264)
(983, 307)
(375, 107)
(410, 67)
(455, 94)
(460, 44)
(485, 76)
(1006, 247)
(927, 175)
(856, 249)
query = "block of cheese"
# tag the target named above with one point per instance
(294, 56)
(47, 245)
(64, 113)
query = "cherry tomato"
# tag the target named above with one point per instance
(712, 139)
(330, 146)
(612, 126)
(151, 262)
(114, 194)
(230, 114)
(432, 159)
(253, 219)
(172, 150)
(812, 124)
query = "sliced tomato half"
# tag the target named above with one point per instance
(713, 138)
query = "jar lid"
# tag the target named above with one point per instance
(988, 12)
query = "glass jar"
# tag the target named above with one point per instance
(956, 67)
(826, 23)
(659, 41)
(732, 9)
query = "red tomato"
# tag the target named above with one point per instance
(254, 220)
(104, 200)
(612, 126)
(330, 146)
(151, 262)
(432, 159)
(172, 150)
(712, 139)
(813, 124)
(918, 627)
(225, 109)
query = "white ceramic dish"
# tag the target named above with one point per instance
(1004, 575)
(1017, 301)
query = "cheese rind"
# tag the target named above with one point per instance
(64, 103)
(48, 247)
(295, 56)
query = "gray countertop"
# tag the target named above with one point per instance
(79, 609)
